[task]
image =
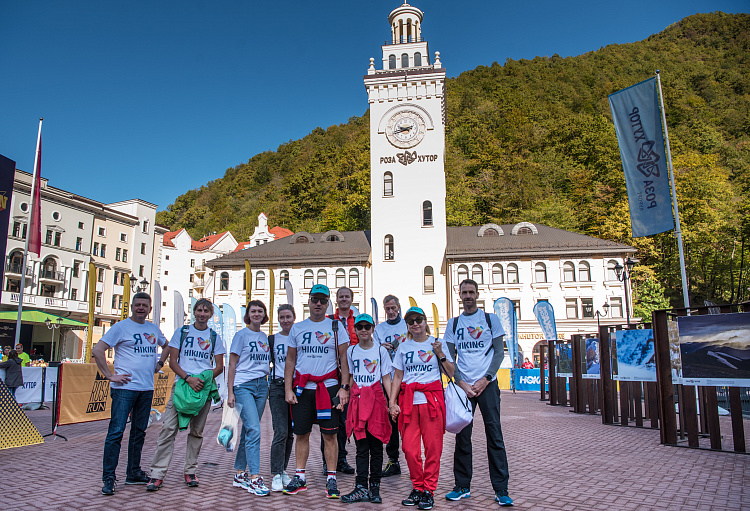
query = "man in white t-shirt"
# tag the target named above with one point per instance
(135, 342)
(193, 350)
(476, 338)
(389, 334)
(314, 364)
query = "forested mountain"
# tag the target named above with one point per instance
(533, 140)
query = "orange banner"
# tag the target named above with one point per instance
(84, 393)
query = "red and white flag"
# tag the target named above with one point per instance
(35, 227)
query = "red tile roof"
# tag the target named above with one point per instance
(207, 241)
(167, 241)
(280, 232)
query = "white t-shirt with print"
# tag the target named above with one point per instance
(136, 352)
(419, 363)
(473, 340)
(253, 348)
(394, 334)
(195, 355)
(316, 353)
(368, 366)
(280, 343)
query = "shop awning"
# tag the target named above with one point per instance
(38, 317)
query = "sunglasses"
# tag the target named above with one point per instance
(418, 320)
(363, 326)
(319, 299)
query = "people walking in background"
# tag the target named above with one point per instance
(13, 371)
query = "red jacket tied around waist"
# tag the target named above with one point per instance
(368, 407)
(435, 401)
(322, 399)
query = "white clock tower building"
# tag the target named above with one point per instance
(407, 145)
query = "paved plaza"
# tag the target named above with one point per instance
(558, 461)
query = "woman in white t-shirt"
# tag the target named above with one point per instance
(247, 385)
(421, 405)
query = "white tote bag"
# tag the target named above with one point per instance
(457, 408)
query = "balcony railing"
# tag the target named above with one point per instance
(15, 268)
(51, 275)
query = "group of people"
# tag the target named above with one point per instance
(379, 384)
(13, 360)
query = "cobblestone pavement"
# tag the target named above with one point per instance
(558, 461)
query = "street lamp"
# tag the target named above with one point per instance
(623, 275)
(133, 282)
(588, 308)
(52, 326)
(143, 285)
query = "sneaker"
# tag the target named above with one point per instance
(502, 498)
(277, 484)
(258, 487)
(285, 479)
(295, 486)
(332, 489)
(458, 493)
(413, 499)
(139, 478)
(109, 487)
(154, 484)
(241, 481)
(344, 467)
(427, 501)
(359, 494)
(191, 480)
(375, 493)
(392, 468)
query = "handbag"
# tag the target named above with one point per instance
(458, 410)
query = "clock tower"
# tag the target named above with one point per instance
(407, 157)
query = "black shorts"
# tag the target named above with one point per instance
(305, 414)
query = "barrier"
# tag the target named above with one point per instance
(530, 379)
(16, 430)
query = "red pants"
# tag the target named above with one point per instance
(428, 430)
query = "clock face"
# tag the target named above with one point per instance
(405, 129)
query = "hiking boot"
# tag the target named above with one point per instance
(392, 468)
(359, 494)
(332, 489)
(503, 499)
(154, 484)
(344, 467)
(427, 501)
(191, 480)
(458, 493)
(375, 493)
(295, 486)
(413, 499)
(109, 487)
(139, 478)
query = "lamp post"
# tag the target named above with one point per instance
(53, 326)
(623, 275)
(143, 285)
(589, 310)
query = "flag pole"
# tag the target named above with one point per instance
(678, 229)
(28, 233)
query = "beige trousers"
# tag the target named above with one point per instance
(165, 443)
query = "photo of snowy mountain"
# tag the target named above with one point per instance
(590, 362)
(715, 349)
(636, 355)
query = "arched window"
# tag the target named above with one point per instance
(497, 274)
(302, 239)
(569, 272)
(512, 274)
(388, 184)
(340, 278)
(224, 281)
(584, 272)
(388, 248)
(392, 62)
(404, 60)
(427, 213)
(332, 237)
(260, 280)
(540, 273)
(429, 280)
(463, 273)
(309, 279)
(611, 272)
(283, 278)
(525, 230)
(322, 277)
(477, 274)
(49, 269)
(353, 278)
(417, 59)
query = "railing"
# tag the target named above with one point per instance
(26, 298)
(55, 302)
(16, 268)
(200, 268)
(412, 39)
(51, 275)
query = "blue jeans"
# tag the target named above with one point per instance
(251, 396)
(137, 404)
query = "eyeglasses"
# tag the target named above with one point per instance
(418, 320)
(319, 299)
(363, 326)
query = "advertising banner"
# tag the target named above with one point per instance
(528, 379)
(84, 393)
(32, 390)
(590, 363)
(545, 315)
(635, 356)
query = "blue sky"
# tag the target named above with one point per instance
(149, 99)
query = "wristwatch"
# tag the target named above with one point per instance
(161, 364)
(444, 359)
(488, 376)
(346, 387)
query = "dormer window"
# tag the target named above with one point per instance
(524, 230)
(302, 239)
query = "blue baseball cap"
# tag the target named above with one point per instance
(364, 318)
(414, 310)
(320, 289)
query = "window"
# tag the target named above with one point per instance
(388, 184)
(224, 281)
(76, 269)
(429, 280)
(98, 299)
(340, 278)
(143, 248)
(260, 280)
(302, 239)
(569, 272)
(123, 237)
(417, 59)
(283, 279)
(463, 273)
(25, 205)
(615, 307)
(571, 308)
(305, 311)
(517, 307)
(117, 278)
(117, 254)
(19, 230)
(48, 240)
(309, 279)
(74, 294)
(165, 288)
(192, 261)
(166, 272)
(102, 231)
(79, 244)
(166, 257)
(140, 271)
(391, 65)
(587, 303)
(193, 276)
(13, 285)
(404, 60)
(58, 236)
(525, 230)
(80, 225)
(477, 274)
(104, 250)
(512, 274)
(100, 274)
(145, 226)
(540, 273)
(426, 213)
(114, 301)
(584, 272)
(353, 278)
(322, 277)
(611, 272)
(95, 250)
(497, 274)
(190, 293)
(388, 248)
(124, 255)
(56, 216)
